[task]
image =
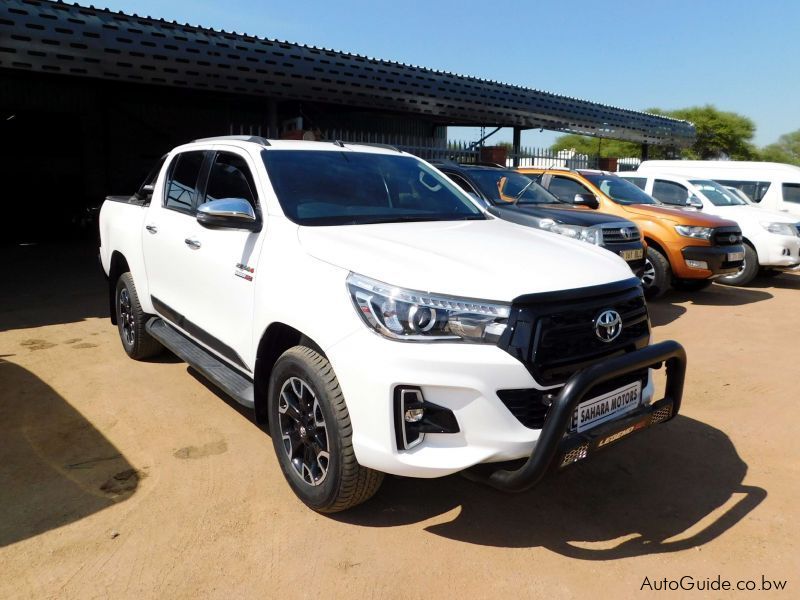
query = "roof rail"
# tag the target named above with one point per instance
(341, 144)
(257, 139)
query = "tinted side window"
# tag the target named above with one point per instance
(182, 181)
(755, 190)
(791, 192)
(640, 182)
(670, 193)
(565, 188)
(230, 177)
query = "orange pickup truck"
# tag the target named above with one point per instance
(685, 249)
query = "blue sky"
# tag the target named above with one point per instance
(738, 55)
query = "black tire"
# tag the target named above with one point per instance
(131, 321)
(303, 387)
(691, 285)
(748, 271)
(657, 274)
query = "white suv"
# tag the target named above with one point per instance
(377, 318)
(771, 238)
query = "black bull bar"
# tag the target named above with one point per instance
(556, 449)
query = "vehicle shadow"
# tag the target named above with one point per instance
(45, 284)
(678, 486)
(784, 281)
(55, 467)
(664, 313)
(719, 295)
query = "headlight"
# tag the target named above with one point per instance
(409, 315)
(593, 235)
(780, 228)
(698, 233)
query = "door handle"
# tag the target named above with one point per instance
(193, 244)
(151, 228)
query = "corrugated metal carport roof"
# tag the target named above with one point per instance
(54, 37)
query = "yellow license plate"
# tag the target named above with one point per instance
(632, 254)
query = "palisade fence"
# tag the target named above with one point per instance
(431, 148)
(464, 152)
(546, 158)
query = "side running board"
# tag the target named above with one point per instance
(237, 386)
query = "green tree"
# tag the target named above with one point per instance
(719, 134)
(785, 150)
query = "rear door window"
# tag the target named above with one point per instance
(182, 182)
(791, 192)
(670, 192)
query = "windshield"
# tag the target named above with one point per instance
(716, 194)
(618, 189)
(353, 188)
(504, 186)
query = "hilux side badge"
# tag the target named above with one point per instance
(244, 271)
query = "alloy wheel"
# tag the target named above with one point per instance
(126, 318)
(303, 431)
(649, 276)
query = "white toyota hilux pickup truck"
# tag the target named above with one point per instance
(378, 319)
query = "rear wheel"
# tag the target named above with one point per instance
(746, 273)
(312, 435)
(656, 276)
(131, 321)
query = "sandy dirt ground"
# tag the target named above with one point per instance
(137, 480)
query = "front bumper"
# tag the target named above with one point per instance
(780, 252)
(462, 378)
(716, 257)
(554, 450)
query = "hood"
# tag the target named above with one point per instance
(741, 213)
(563, 213)
(678, 215)
(491, 259)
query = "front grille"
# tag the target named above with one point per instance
(531, 406)
(620, 234)
(553, 334)
(727, 236)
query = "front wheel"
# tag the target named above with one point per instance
(312, 435)
(746, 273)
(656, 275)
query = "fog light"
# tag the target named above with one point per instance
(697, 264)
(414, 415)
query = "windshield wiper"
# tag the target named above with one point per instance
(522, 191)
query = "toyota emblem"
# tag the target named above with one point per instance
(732, 238)
(608, 326)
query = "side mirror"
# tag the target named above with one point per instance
(228, 213)
(694, 202)
(145, 193)
(588, 200)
